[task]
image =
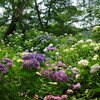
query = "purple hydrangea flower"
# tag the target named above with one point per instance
(46, 73)
(59, 76)
(33, 63)
(28, 57)
(3, 69)
(40, 57)
(74, 72)
(6, 60)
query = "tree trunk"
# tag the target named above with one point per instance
(49, 14)
(17, 13)
(38, 13)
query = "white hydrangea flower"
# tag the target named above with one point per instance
(57, 53)
(83, 46)
(80, 34)
(95, 29)
(77, 76)
(75, 68)
(16, 33)
(93, 44)
(20, 60)
(81, 41)
(95, 68)
(96, 48)
(88, 40)
(83, 62)
(95, 57)
(65, 34)
(70, 34)
(24, 53)
(72, 48)
(45, 50)
(66, 50)
(32, 49)
(50, 45)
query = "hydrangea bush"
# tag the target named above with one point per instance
(52, 68)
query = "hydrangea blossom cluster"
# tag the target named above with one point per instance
(95, 68)
(33, 60)
(76, 86)
(51, 97)
(95, 57)
(69, 91)
(28, 57)
(96, 29)
(44, 38)
(83, 63)
(33, 63)
(60, 63)
(49, 48)
(3, 69)
(39, 57)
(59, 76)
(7, 61)
(88, 40)
(46, 73)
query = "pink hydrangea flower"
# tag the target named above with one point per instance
(69, 91)
(77, 86)
(64, 96)
(36, 97)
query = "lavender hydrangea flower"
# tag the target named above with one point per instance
(40, 57)
(74, 72)
(56, 39)
(7, 61)
(3, 69)
(28, 57)
(51, 48)
(46, 73)
(49, 37)
(59, 76)
(43, 40)
(33, 63)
